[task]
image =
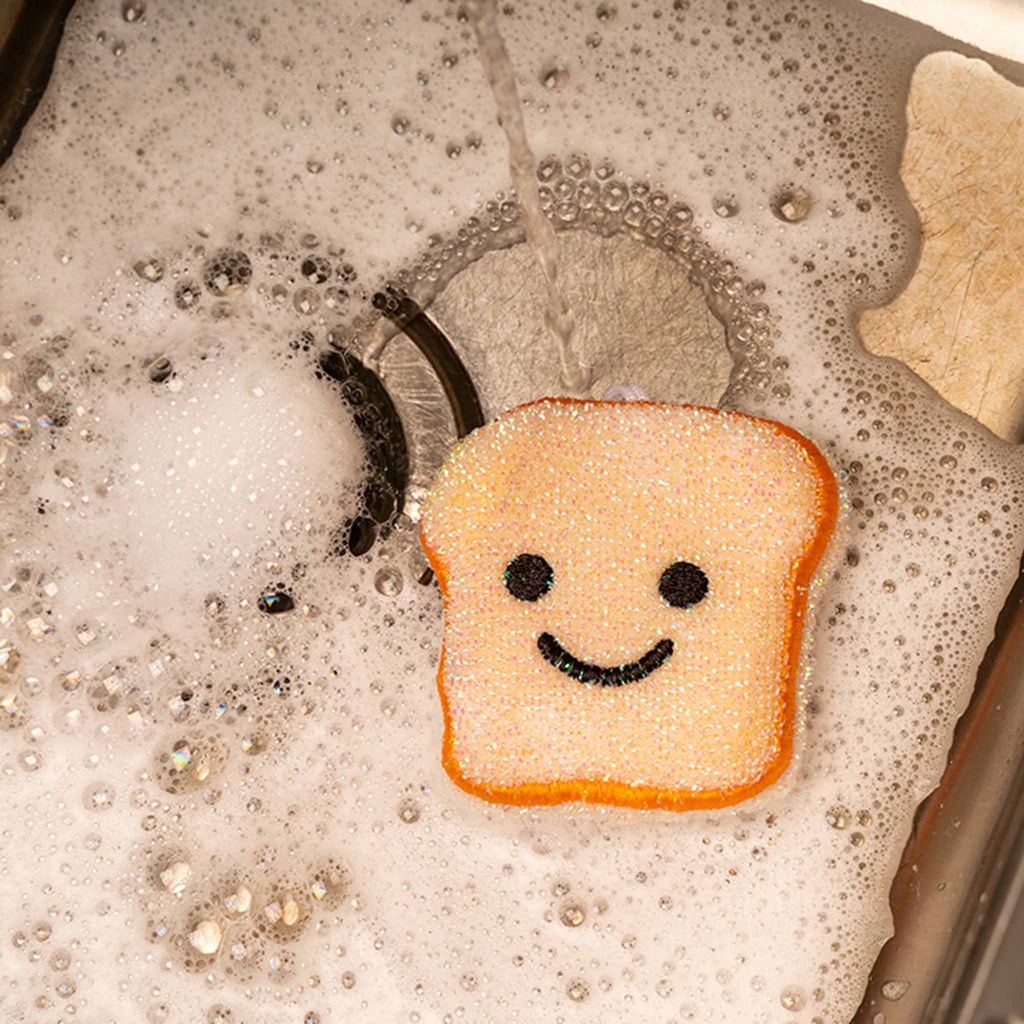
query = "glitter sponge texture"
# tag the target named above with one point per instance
(625, 587)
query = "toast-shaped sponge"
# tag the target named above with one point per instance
(624, 589)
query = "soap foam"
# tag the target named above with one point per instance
(219, 813)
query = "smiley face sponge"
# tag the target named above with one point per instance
(624, 589)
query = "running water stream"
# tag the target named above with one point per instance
(540, 234)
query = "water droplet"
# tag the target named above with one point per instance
(556, 77)
(30, 760)
(149, 268)
(133, 10)
(60, 960)
(98, 797)
(577, 990)
(721, 112)
(791, 204)
(206, 937)
(400, 125)
(838, 817)
(388, 581)
(572, 915)
(409, 811)
(275, 602)
(725, 204)
(187, 295)
(175, 876)
(306, 300)
(606, 12)
(894, 990)
(793, 998)
(160, 370)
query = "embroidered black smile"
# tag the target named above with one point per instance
(617, 675)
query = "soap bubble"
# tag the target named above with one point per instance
(227, 273)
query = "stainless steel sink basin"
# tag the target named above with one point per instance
(960, 876)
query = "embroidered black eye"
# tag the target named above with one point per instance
(683, 584)
(528, 577)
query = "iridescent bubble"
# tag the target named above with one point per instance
(149, 268)
(187, 295)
